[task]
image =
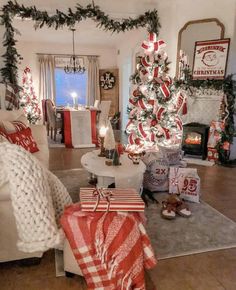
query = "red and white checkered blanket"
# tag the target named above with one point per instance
(111, 248)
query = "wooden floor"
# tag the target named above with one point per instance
(208, 271)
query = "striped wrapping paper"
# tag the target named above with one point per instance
(120, 200)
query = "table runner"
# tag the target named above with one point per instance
(111, 248)
(80, 128)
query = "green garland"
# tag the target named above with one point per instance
(228, 85)
(11, 57)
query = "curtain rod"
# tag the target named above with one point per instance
(61, 54)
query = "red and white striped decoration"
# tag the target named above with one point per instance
(131, 139)
(152, 45)
(146, 62)
(142, 104)
(165, 91)
(141, 130)
(156, 72)
(159, 113)
(128, 124)
(179, 123)
(121, 199)
(152, 137)
(166, 133)
(181, 103)
(131, 101)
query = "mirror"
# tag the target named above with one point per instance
(192, 31)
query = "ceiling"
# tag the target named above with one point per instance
(86, 34)
(86, 31)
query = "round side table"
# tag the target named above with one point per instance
(127, 175)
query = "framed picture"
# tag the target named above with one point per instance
(210, 59)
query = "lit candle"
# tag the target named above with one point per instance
(74, 96)
(102, 131)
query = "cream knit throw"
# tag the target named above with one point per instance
(38, 199)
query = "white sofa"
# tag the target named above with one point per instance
(8, 232)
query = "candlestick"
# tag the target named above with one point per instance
(102, 134)
(74, 97)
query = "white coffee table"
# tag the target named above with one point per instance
(127, 175)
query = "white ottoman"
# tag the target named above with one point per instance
(70, 263)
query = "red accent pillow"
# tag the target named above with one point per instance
(24, 139)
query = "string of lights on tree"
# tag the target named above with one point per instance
(154, 104)
(11, 57)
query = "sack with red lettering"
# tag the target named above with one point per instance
(156, 175)
(186, 182)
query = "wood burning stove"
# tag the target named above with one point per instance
(195, 137)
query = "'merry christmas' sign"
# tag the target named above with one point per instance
(210, 59)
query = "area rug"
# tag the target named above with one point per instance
(206, 230)
(197, 161)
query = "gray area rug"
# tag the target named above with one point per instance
(206, 230)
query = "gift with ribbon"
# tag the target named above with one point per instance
(107, 199)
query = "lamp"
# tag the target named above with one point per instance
(74, 66)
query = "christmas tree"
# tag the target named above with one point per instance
(154, 104)
(28, 100)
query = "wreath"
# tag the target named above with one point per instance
(107, 80)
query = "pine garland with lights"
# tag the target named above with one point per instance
(11, 57)
(228, 86)
(154, 104)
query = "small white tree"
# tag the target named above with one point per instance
(109, 140)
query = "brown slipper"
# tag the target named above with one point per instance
(168, 211)
(183, 210)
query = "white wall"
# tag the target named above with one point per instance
(28, 50)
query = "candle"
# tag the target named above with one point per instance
(102, 131)
(74, 96)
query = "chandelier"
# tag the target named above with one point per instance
(74, 66)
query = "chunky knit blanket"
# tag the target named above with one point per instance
(38, 199)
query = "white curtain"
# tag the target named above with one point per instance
(93, 90)
(46, 77)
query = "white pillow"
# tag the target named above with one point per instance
(11, 115)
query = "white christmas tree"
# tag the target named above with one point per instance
(28, 99)
(109, 140)
(154, 104)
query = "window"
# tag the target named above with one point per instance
(67, 84)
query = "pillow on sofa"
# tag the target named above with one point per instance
(22, 138)
(12, 126)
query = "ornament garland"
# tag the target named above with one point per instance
(228, 85)
(150, 19)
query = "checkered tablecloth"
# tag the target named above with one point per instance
(111, 248)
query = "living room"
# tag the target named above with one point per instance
(127, 109)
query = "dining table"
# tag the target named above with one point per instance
(79, 126)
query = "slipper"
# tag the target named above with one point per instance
(183, 210)
(168, 210)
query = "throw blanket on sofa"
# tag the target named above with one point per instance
(38, 198)
(111, 248)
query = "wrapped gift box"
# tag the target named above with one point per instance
(111, 199)
(212, 154)
(186, 182)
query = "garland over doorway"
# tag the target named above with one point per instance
(149, 19)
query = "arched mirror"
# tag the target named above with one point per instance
(192, 31)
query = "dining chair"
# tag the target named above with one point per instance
(53, 122)
(104, 108)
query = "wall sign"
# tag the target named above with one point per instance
(210, 59)
(107, 81)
